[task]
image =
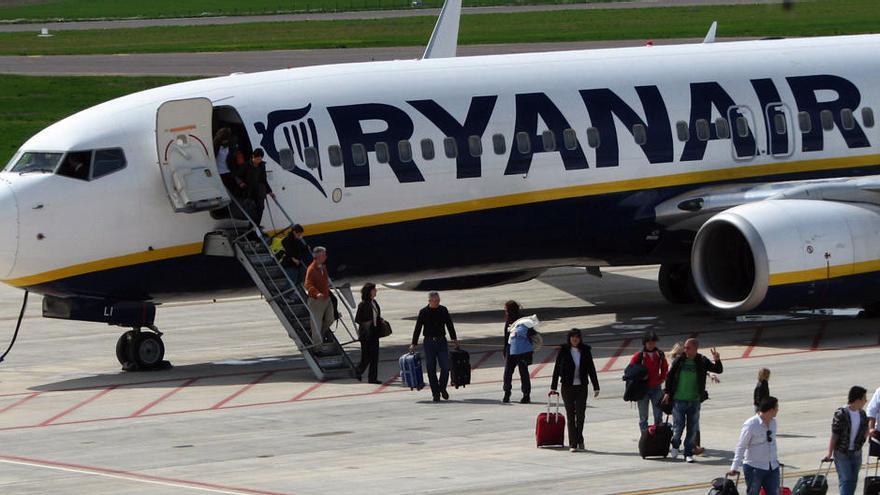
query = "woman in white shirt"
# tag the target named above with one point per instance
(576, 370)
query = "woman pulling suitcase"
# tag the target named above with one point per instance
(576, 370)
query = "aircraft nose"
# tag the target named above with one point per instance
(8, 229)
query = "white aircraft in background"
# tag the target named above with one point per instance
(748, 170)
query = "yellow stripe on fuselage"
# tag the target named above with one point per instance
(688, 178)
(816, 274)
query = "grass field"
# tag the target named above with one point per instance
(807, 19)
(28, 104)
(21, 10)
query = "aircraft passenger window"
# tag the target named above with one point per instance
(570, 139)
(499, 144)
(475, 146)
(681, 128)
(805, 122)
(313, 160)
(107, 162)
(427, 149)
(404, 149)
(522, 143)
(827, 119)
(847, 119)
(868, 117)
(335, 153)
(742, 127)
(779, 123)
(702, 126)
(382, 152)
(593, 140)
(548, 139)
(359, 154)
(640, 134)
(76, 165)
(722, 128)
(450, 147)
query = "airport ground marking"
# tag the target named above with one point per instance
(754, 343)
(242, 390)
(164, 396)
(544, 363)
(698, 486)
(80, 404)
(387, 383)
(307, 391)
(20, 402)
(482, 360)
(613, 359)
(132, 476)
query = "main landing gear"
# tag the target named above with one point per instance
(677, 284)
(140, 350)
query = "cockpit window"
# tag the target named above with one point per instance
(33, 161)
(107, 162)
(76, 165)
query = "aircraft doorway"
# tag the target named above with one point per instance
(232, 146)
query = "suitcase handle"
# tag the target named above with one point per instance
(728, 476)
(550, 401)
(818, 471)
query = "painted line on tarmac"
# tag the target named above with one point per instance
(544, 363)
(20, 402)
(482, 361)
(131, 476)
(307, 391)
(163, 398)
(79, 405)
(754, 343)
(387, 383)
(699, 486)
(617, 353)
(243, 390)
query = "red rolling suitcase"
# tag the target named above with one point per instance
(550, 430)
(783, 490)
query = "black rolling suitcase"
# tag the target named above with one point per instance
(724, 486)
(813, 484)
(460, 368)
(655, 441)
(872, 483)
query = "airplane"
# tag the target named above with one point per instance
(747, 170)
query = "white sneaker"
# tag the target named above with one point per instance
(573, 449)
(689, 459)
(674, 453)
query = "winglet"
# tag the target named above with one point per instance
(444, 39)
(710, 36)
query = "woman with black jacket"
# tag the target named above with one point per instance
(368, 317)
(576, 370)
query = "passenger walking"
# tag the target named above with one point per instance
(318, 288)
(368, 318)
(873, 413)
(655, 362)
(756, 451)
(686, 387)
(257, 184)
(762, 389)
(296, 256)
(576, 370)
(223, 158)
(434, 319)
(849, 430)
(520, 351)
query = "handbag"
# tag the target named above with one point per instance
(384, 328)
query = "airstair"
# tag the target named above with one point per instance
(327, 359)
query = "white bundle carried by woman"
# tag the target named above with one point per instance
(531, 324)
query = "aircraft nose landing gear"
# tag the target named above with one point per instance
(139, 350)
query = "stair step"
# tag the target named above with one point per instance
(261, 259)
(332, 362)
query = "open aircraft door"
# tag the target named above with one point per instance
(186, 155)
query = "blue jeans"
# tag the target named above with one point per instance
(761, 478)
(437, 351)
(296, 273)
(848, 465)
(685, 413)
(652, 398)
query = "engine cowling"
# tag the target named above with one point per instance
(788, 253)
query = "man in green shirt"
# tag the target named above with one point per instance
(686, 387)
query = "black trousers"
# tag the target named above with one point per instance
(370, 356)
(575, 399)
(522, 362)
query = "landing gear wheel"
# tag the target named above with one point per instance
(123, 345)
(146, 351)
(677, 284)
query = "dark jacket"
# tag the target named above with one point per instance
(563, 370)
(704, 366)
(256, 181)
(841, 426)
(364, 319)
(762, 391)
(435, 322)
(295, 249)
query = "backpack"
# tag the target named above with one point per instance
(536, 339)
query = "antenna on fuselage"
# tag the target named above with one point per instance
(444, 39)
(710, 36)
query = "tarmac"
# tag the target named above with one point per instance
(239, 413)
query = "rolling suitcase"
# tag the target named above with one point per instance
(460, 368)
(783, 490)
(872, 483)
(724, 486)
(411, 371)
(655, 441)
(813, 484)
(550, 430)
